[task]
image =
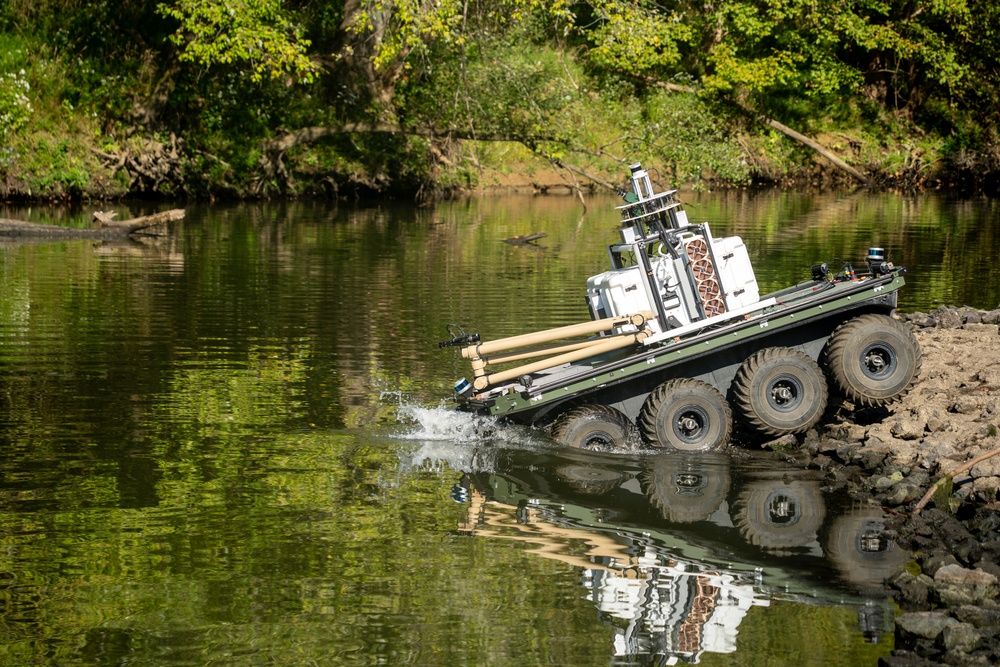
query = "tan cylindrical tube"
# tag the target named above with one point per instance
(496, 359)
(607, 345)
(551, 335)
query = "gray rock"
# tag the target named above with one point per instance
(986, 489)
(887, 482)
(914, 590)
(903, 493)
(935, 562)
(937, 446)
(948, 318)
(821, 462)
(966, 406)
(923, 321)
(923, 625)
(919, 477)
(870, 458)
(980, 617)
(829, 445)
(846, 453)
(908, 428)
(936, 422)
(837, 431)
(960, 659)
(961, 637)
(956, 586)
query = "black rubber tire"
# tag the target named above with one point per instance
(592, 427)
(687, 487)
(873, 360)
(686, 415)
(778, 391)
(779, 515)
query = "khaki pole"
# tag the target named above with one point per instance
(551, 335)
(496, 359)
(616, 343)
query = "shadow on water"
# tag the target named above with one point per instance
(674, 550)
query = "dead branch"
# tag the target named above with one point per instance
(951, 475)
(819, 148)
(527, 238)
(770, 122)
(108, 229)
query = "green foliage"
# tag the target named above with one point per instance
(522, 97)
(404, 29)
(15, 89)
(57, 167)
(15, 103)
(633, 37)
(48, 143)
(685, 133)
(257, 33)
(579, 82)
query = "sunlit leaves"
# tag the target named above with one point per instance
(258, 34)
(753, 74)
(402, 28)
(631, 37)
(523, 95)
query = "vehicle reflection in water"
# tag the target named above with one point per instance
(676, 549)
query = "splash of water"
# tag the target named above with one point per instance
(443, 423)
(446, 438)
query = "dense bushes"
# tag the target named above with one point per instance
(184, 99)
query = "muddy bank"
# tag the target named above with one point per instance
(949, 596)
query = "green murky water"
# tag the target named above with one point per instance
(225, 446)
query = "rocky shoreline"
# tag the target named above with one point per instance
(949, 595)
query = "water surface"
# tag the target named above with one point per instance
(227, 445)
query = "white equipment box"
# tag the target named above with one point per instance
(739, 286)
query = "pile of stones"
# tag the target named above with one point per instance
(949, 594)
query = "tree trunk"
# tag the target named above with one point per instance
(104, 230)
(819, 148)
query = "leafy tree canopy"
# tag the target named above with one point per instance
(257, 33)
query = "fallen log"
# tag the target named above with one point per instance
(819, 148)
(105, 228)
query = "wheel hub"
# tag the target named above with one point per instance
(782, 394)
(878, 361)
(690, 424)
(785, 393)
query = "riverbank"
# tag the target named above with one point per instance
(949, 595)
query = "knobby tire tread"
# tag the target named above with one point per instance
(593, 412)
(742, 390)
(647, 415)
(837, 361)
